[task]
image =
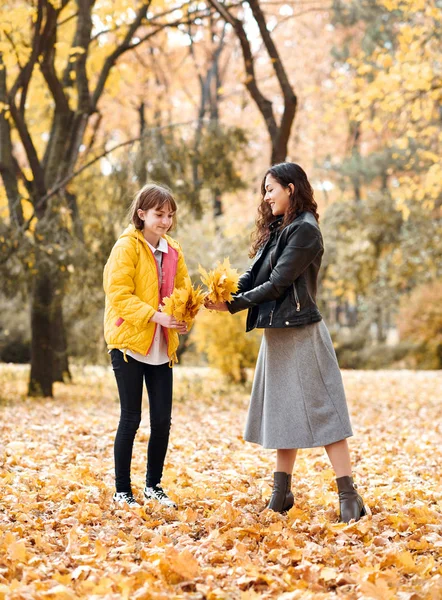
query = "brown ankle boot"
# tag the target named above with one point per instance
(282, 498)
(350, 502)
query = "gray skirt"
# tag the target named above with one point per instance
(298, 398)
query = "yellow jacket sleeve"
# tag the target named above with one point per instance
(119, 287)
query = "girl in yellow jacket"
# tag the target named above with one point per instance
(144, 266)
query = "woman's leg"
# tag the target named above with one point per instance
(159, 383)
(282, 498)
(351, 504)
(285, 460)
(129, 376)
(339, 456)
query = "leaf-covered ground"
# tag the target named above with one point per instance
(62, 538)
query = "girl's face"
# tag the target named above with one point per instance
(158, 220)
(277, 196)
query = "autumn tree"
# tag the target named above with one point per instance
(206, 165)
(390, 85)
(278, 130)
(57, 59)
(209, 80)
(387, 77)
(420, 321)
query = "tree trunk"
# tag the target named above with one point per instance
(217, 204)
(380, 334)
(141, 159)
(59, 342)
(355, 140)
(279, 133)
(279, 152)
(8, 165)
(214, 118)
(66, 138)
(42, 297)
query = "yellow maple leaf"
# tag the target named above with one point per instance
(221, 282)
(177, 567)
(184, 303)
(17, 551)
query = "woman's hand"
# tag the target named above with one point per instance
(221, 306)
(169, 322)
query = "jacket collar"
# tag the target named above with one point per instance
(162, 245)
(276, 223)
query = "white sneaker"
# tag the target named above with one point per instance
(125, 498)
(157, 493)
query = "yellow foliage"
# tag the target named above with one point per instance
(177, 567)
(222, 337)
(420, 321)
(184, 303)
(221, 282)
(393, 91)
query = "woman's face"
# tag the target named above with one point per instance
(277, 196)
(157, 221)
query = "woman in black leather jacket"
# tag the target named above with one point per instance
(298, 398)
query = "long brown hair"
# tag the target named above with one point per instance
(301, 200)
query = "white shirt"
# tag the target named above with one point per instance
(157, 354)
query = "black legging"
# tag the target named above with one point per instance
(129, 376)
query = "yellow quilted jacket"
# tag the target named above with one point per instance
(133, 294)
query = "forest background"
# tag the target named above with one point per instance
(98, 97)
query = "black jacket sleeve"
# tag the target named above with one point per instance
(303, 245)
(245, 282)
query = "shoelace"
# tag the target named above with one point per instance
(159, 492)
(129, 499)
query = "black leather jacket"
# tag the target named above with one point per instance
(279, 288)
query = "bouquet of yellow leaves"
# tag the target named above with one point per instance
(221, 282)
(184, 303)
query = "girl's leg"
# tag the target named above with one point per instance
(129, 376)
(159, 383)
(285, 460)
(339, 456)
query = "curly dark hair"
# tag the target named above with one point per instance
(301, 200)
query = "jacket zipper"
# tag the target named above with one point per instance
(298, 304)
(271, 317)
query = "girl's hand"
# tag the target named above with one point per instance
(221, 306)
(169, 322)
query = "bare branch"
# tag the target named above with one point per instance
(82, 40)
(61, 23)
(25, 74)
(47, 64)
(95, 129)
(121, 49)
(17, 113)
(127, 44)
(14, 47)
(8, 164)
(264, 105)
(272, 51)
(61, 184)
(152, 19)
